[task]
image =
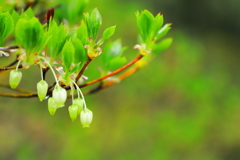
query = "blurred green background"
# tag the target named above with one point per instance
(185, 105)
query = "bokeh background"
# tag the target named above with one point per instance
(185, 105)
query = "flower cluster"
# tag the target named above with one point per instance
(68, 49)
(59, 96)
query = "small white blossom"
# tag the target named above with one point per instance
(86, 117)
(15, 78)
(42, 88)
(73, 111)
(52, 106)
(59, 96)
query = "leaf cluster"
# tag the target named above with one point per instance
(151, 29)
(68, 42)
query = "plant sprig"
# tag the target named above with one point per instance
(68, 47)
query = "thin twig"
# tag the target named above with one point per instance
(13, 63)
(114, 72)
(44, 71)
(8, 48)
(21, 90)
(12, 95)
(51, 86)
(9, 68)
(106, 84)
(83, 69)
(96, 89)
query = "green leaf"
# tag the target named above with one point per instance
(68, 55)
(6, 26)
(108, 33)
(28, 14)
(75, 68)
(58, 35)
(112, 50)
(163, 31)
(72, 35)
(145, 22)
(116, 63)
(73, 111)
(15, 16)
(96, 21)
(30, 35)
(75, 9)
(82, 33)
(93, 23)
(70, 10)
(88, 24)
(158, 22)
(80, 54)
(164, 44)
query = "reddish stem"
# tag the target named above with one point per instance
(114, 72)
(83, 69)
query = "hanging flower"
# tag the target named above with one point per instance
(73, 111)
(52, 106)
(79, 102)
(15, 78)
(42, 88)
(59, 96)
(86, 117)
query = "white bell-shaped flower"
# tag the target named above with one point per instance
(42, 88)
(73, 111)
(59, 95)
(86, 117)
(15, 78)
(52, 106)
(79, 103)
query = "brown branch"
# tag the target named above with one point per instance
(44, 70)
(51, 86)
(102, 86)
(8, 48)
(16, 89)
(126, 74)
(9, 68)
(12, 95)
(114, 72)
(13, 63)
(83, 69)
(96, 89)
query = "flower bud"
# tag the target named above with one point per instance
(59, 96)
(15, 78)
(73, 111)
(86, 117)
(79, 103)
(42, 88)
(52, 106)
